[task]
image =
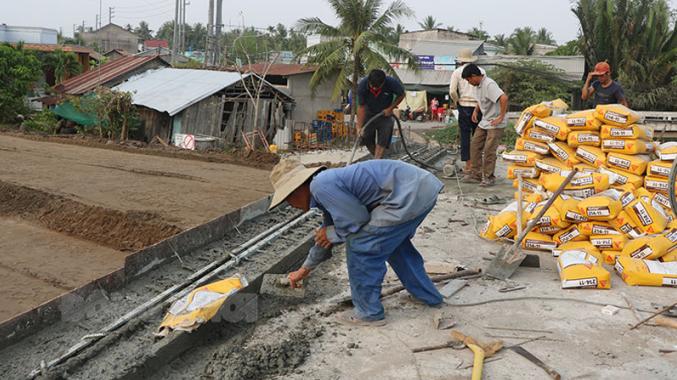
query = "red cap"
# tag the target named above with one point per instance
(602, 68)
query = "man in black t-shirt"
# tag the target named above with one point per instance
(604, 90)
(377, 93)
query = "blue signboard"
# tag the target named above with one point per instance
(426, 62)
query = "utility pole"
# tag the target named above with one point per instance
(219, 25)
(175, 37)
(100, 8)
(183, 27)
(110, 14)
(96, 23)
(209, 51)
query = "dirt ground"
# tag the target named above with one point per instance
(69, 212)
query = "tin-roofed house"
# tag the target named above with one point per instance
(211, 106)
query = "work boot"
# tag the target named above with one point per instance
(348, 318)
(487, 182)
(468, 178)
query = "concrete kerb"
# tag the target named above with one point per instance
(137, 263)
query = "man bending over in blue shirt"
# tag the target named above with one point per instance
(374, 207)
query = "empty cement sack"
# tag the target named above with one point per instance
(577, 138)
(529, 115)
(646, 272)
(616, 114)
(583, 121)
(555, 126)
(521, 157)
(532, 146)
(642, 132)
(647, 247)
(504, 224)
(635, 164)
(667, 151)
(627, 146)
(579, 269)
(603, 206)
(591, 155)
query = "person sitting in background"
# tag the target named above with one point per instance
(434, 105)
(604, 90)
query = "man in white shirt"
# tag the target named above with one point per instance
(464, 98)
(492, 106)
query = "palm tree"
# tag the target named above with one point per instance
(358, 44)
(500, 40)
(522, 41)
(63, 64)
(478, 33)
(429, 23)
(143, 31)
(543, 36)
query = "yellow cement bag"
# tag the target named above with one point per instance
(563, 152)
(555, 126)
(656, 184)
(585, 168)
(628, 194)
(625, 224)
(667, 151)
(530, 114)
(647, 247)
(608, 242)
(669, 257)
(609, 257)
(539, 135)
(648, 218)
(531, 197)
(521, 158)
(532, 146)
(572, 233)
(529, 185)
(616, 114)
(646, 272)
(538, 241)
(619, 177)
(550, 218)
(568, 211)
(504, 224)
(664, 201)
(526, 172)
(200, 305)
(558, 105)
(591, 155)
(659, 168)
(628, 146)
(641, 132)
(635, 164)
(671, 235)
(579, 269)
(603, 206)
(583, 121)
(598, 182)
(577, 138)
(551, 165)
(583, 245)
(597, 228)
(547, 230)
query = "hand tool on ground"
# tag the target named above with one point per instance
(530, 357)
(480, 351)
(279, 285)
(652, 316)
(509, 258)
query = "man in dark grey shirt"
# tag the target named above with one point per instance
(604, 90)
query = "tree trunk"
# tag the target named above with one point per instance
(125, 129)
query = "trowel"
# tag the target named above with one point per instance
(278, 285)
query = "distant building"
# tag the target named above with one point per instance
(432, 35)
(27, 34)
(542, 49)
(114, 54)
(154, 44)
(111, 37)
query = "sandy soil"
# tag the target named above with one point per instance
(182, 192)
(37, 264)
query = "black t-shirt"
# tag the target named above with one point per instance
(607, 95)
(390, 91)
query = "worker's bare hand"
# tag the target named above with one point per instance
(474, 118)
(296, 277)
(321, 238)
(496, 121)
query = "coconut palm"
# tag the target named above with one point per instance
(478, 33)
(429, 23)
(500, 40)
(522, 41)
(358, 44)
(543, 36)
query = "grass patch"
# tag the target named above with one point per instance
(449, 135)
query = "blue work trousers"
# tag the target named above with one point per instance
(367, 253)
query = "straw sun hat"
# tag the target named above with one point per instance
(287, 176)
(465, 56)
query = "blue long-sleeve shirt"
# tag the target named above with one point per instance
(379, 193)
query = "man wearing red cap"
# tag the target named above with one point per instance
(604, 90)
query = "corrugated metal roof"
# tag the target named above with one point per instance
(424, 77)
(173, 90)
(52, 47)
(98, 76)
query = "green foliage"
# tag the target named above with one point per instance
(569, 48)
(114, 110)
(358, 44)
(143, 31)
(500, 40)
(444, 136)
(19, 69)
(429, 23)
(639, 40)
(478, 33)
(543, 36)
(43, 121)
(530, 82)
(509, 136)
(63, 64)
(522, 41)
